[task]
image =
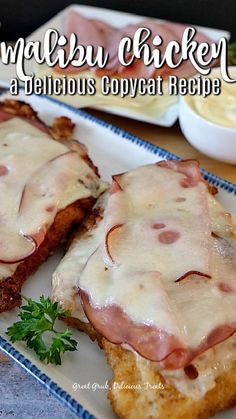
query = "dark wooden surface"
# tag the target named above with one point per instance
(21, 397)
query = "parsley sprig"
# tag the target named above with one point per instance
(36, 328)
(232, 54)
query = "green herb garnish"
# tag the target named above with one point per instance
(232, 54)
(36, 328)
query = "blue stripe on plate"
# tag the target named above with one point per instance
(161, 152)
(50, 385)
(7, 347)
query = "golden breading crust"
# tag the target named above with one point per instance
(162, 401)
(61, 130)
(138, 391)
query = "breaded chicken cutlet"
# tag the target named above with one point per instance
(48, 183)
(177, 361)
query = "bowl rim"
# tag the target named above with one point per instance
(182, 99)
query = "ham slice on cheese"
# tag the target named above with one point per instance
(97, 33)
(156, 214)
(89, 32)
(38, 178)
(165, 263)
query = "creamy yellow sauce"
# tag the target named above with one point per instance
(148, 105)
(220, 109)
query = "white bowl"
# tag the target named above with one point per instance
(214, 140)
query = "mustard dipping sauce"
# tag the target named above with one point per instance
(220, 109)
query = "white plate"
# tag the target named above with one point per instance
(117, 19)
(114, 151)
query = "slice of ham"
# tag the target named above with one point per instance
(177, 309)
(23, 234)
(124, 226)
(138, 68)
(40, 194)
(132, 296)
(185, 69)
(4, 116)
(61, 130)
(17, 247)
(190, 168)
(168, 32)
(38, 178)
(114, 67)
(148, 341)
(97, 33)
(89, 32)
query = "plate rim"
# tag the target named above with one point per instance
(44, 380)
(154, 149)
(171, 114)
(7, 347)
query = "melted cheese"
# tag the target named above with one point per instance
(210, 365)
(143, 206)
(65, 278)
(212, 362)
(42, 177)
(142, 280)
